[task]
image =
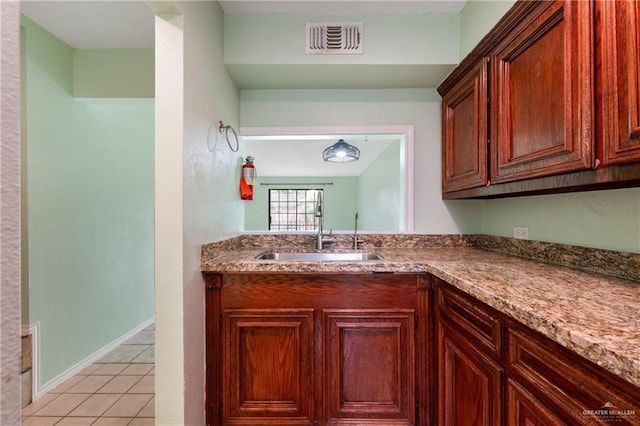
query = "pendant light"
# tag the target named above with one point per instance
(341, 152)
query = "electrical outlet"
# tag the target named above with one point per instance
(521, 232)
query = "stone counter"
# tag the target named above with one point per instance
(594, 315)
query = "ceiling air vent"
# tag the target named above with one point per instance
(334, 38)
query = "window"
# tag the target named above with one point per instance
(292, 209)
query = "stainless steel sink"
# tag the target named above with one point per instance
(319, 257)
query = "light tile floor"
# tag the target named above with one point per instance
(116, 390)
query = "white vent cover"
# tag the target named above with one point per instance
(334, 38)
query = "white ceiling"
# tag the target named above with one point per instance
(343, 6)
(130, 24)
(300, 156)
(95, 24)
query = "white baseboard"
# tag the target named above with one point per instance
(39, 390)
(34, 330)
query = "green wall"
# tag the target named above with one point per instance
(90, 209)
(600, 219)
(340, 201)
(380, 193)
(414, 38)
(477, 18)
(113, 73)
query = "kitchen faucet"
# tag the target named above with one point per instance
(356, 240)
(321, 240)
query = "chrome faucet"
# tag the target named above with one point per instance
(356, 240)
(321, 240)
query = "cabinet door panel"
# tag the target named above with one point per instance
(464, 133)
(618, 85)
(570, 386)
(268, 366)
(469, 383)
(370, 366)
(523, 409)
(541, 120)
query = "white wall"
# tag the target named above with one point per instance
(212, 206)
(169, 378)
(417, 107)
(10, 397)
(196, 196)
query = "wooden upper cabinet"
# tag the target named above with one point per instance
(464, 132)
(618, 84)
(550, 98)
(542, 92)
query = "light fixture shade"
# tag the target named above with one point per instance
(341, 152)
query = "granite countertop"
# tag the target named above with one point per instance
(594, 315)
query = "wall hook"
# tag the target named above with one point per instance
(225, 129)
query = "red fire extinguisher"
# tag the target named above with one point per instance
(247, 178)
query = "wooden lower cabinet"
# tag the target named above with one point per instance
(562, 387)
(268, 360)
(493, 370)
(369, 366)
(523, 409)
(469, 344)
(317, 349)
(389, 349)
(469, 382)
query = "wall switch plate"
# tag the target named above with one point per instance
(521, 232)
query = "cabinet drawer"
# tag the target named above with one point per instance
(478, 323)
(572, 387)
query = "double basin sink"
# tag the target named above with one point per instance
(319, 256)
